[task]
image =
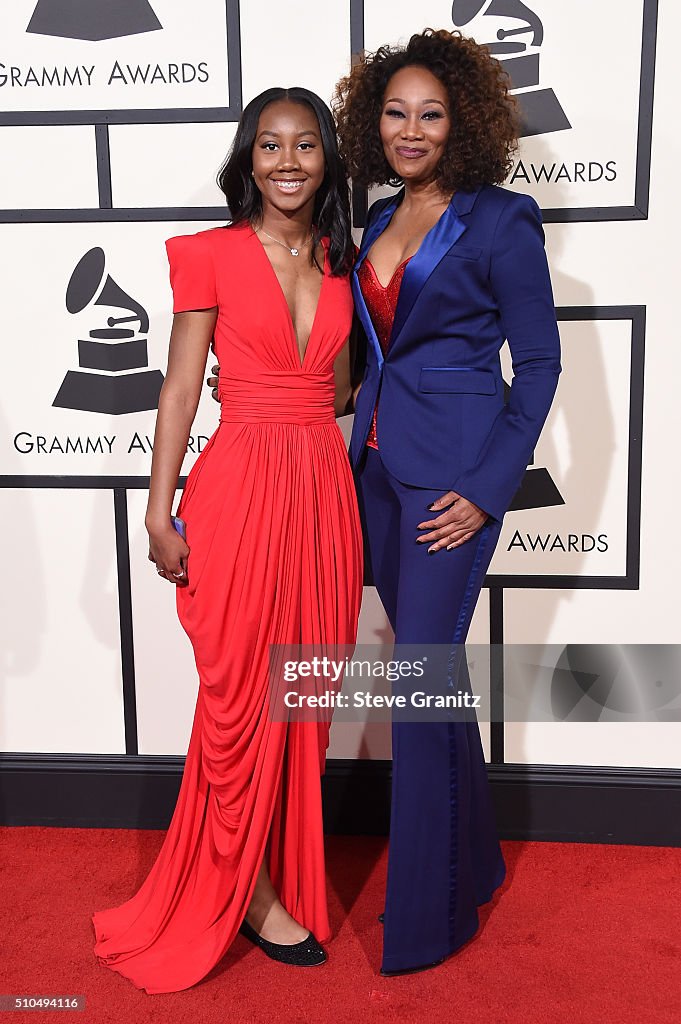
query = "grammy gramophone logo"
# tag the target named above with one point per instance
(540, 108)
(92, 19)
(114, 377)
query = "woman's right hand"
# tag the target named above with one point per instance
(212, 382)
(169, 553)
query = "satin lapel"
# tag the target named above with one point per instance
(365, 319)
(372, 232)
(435, 244)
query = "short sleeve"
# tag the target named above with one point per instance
(192, 272)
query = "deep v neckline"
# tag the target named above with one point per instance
(372, 269)
(294, 337)
(399, 197)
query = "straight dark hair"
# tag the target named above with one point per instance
(331, 214)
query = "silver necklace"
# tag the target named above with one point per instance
(294, 251)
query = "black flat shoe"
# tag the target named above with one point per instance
(411, 970)
(306, 953)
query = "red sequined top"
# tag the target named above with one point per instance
(381, 304)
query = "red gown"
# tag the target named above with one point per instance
(275, 558)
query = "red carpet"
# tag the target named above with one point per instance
(578, 935)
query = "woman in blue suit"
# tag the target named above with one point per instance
(449, 268)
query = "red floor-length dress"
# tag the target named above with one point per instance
(275, 558)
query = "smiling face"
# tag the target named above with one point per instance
(288, 157)
(415, 124)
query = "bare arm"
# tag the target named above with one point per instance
(190, 339)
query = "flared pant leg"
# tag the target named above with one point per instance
(444, 856)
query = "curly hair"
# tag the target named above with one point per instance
(484, 115)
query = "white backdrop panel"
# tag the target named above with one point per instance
(585, 154)
(156, 56)
(168, 164)
(584, 449)
(165, 673)
(68, 151)
(60, 690)
(590, 617)
(293, 44)
(597, 744)
(37, 262)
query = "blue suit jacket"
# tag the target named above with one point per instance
(479, 277)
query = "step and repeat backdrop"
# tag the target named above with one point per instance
(114, 119)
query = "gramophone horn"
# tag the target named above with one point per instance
(464, 11)
(85, 280)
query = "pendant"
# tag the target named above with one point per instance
(294, 252)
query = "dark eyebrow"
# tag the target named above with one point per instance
(396, 99)
(275, 135)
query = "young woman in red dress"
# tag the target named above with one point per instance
(273, 551)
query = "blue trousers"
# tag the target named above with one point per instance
(444, 857)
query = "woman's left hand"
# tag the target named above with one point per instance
(455, 526)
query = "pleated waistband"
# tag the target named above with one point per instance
(278, 397)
